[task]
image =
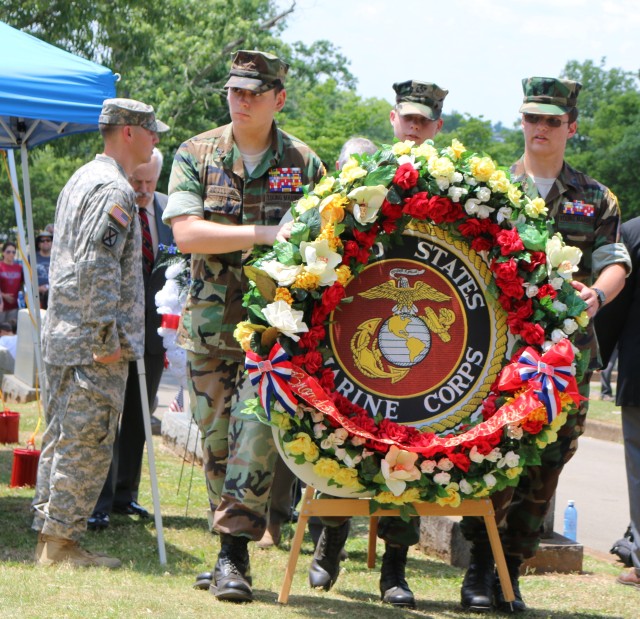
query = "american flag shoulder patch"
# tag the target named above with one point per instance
(285, 180)
(120, 215)
(578, 207)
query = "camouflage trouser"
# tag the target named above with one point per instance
(520, 511)
(238, 450)
(84, 405)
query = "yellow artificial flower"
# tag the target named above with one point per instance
(514, 472)
(482, 168)
(307, 203)
(583, 319)
(514, 194)
(351, 171)
(426, 150)
(344, 274)
(283, 294)
(332, 209)
(326, 467)
(441, 167)
(536, 207)
(347, 477)
(243, 332)
(282, 420)
(307, 281)
(481, 493)
(412, 495)
(452, 499)
(324, 186)
(499, 182)
(402, 148)
(329, 233)
(456, 149)
(302, 445)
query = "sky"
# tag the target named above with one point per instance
(478, 50)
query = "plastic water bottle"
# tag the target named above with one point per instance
(21, 303)
(571, 522)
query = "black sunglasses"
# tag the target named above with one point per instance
(550, 121)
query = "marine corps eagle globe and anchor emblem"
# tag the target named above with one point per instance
(420, 343)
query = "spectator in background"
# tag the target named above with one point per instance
(10, 282)
(44, 241)
(606, 389)
(120, 491)
(8, 345)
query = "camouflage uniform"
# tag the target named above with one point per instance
(423, 98)
(95, 307)
(520, 511)
(209, 180)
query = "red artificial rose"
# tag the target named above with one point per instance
(389, 225)
(523, 308)
(391, 211)
(472, 227)
(537, 258)
(351, 249)
(507, 270)
(396, 432)
(489, 407)
(532, 334)
(481, 244)
(406, 176)
(461, 460)
(547, 291)
(509, 241)
(533, 426)
(416, 206)
(515, 323)
(441, 209)
(506, 302)
(313, 361)
(313, 337)
(512, 288)
(332, 296)
(327, 380)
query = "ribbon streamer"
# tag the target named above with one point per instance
(272, 375)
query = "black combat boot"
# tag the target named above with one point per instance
(325, 565)
(518, 605)
(232, 573)
(477, 587)
(393, 586)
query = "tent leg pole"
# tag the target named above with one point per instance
(146, 415)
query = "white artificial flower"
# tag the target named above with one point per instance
(483, 194)
(489, 480)
(515, 431)
(442, 478)
(470, 180)
(368, 202)
(340, 452)
(465, 487)
(556, 282)
(316, 415)
(557, 335)
(357, 441)
(569, 326)
(408, 159)
(321, 260)
(352, 461)
(443, 183)
(287, 320)
(564, 259)
(546, 345)
(457, 177)
(510, 460)
(283, 275)
(494, 455)
(444, 464)
(428, 466)
(455, 193)
(504, 214)
(318, 430)
(475, 455)
(531, 290)
(473, 207)
(559, 306)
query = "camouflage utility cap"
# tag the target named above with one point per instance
(130, 112)
(256, 71)
(421, 98)
(548, 95)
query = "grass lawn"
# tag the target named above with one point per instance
(143, 588)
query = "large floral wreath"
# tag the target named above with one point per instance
(296, 285)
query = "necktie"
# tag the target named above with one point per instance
(147, 243)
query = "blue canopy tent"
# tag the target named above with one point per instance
(48, 93)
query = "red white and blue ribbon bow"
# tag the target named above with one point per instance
(272, 375)
(548, 375)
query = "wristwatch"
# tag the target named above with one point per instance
(602, 298)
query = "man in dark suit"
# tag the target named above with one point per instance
(120, 491)
(619, 323)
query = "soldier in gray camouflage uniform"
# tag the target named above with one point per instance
(228, 191)
(94, 326)
(587, 214)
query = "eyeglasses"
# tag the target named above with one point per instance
(550, 121)
(45, 240)
(9, 251)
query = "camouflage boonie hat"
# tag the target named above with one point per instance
(256, 71)
(548, 95)
(421, 98)
(130, 112)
